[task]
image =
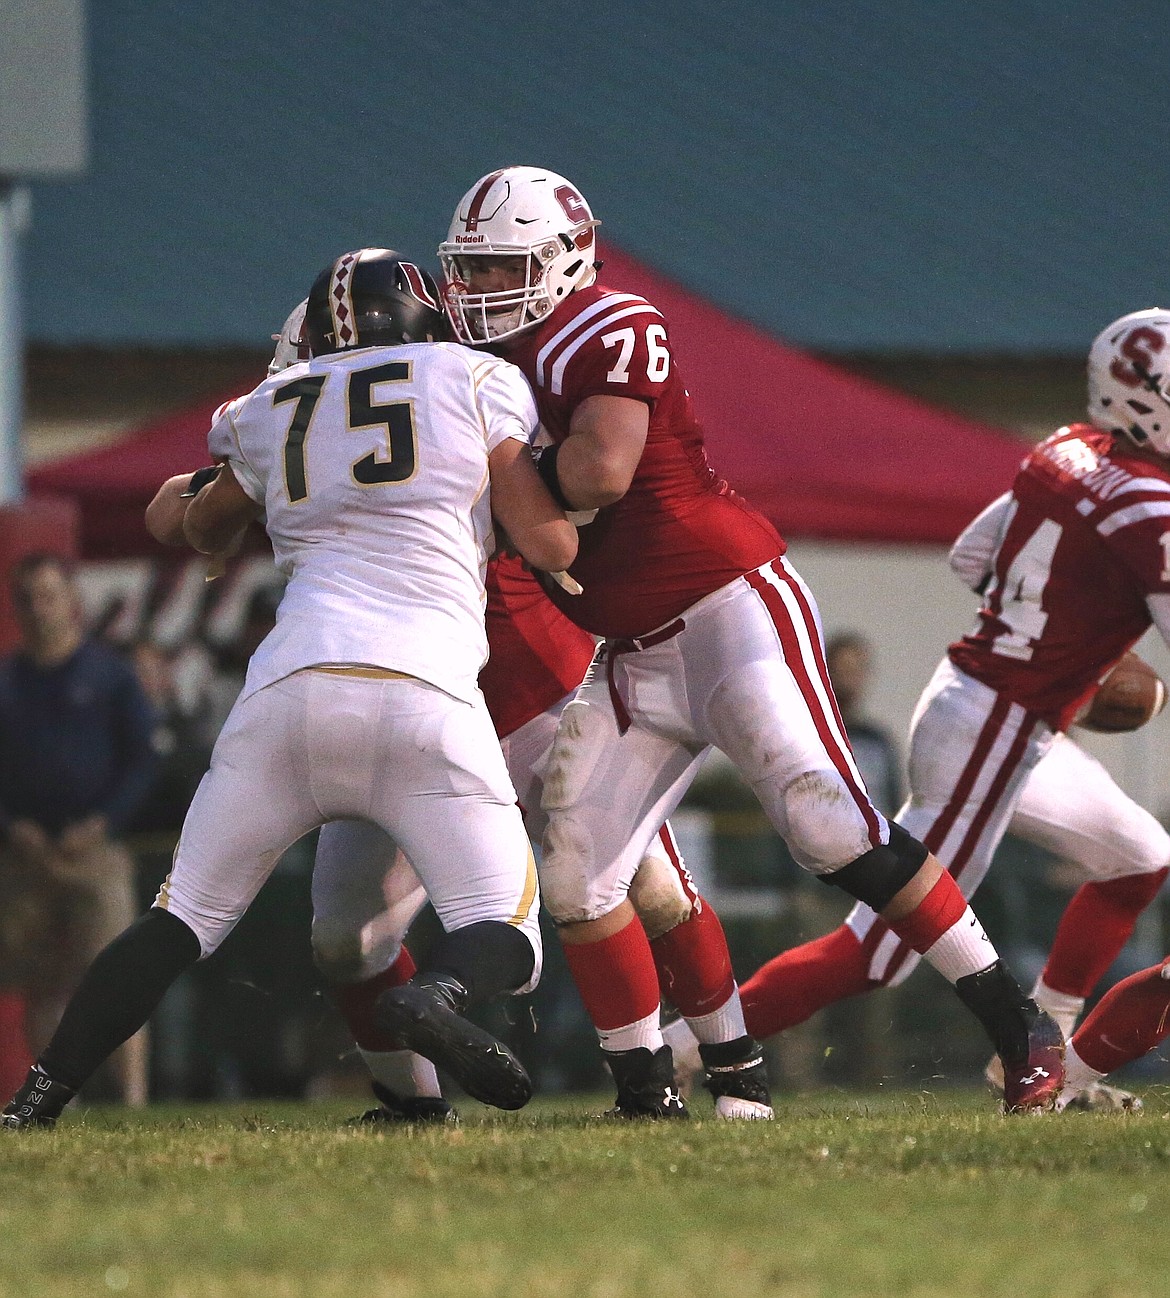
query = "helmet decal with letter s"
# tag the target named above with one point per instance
(1129, 379)
(517, 212)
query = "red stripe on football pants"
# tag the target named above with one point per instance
(777, 610)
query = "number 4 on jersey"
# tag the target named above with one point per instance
(1021, 595)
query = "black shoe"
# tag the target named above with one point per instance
(401, 1109)
(38, 1103)
(1028, 1041)
(645, 1084)
(738, 1079)
(424, 1016)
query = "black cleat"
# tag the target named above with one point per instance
(645, 1084)
(738, 1079)
(38, 1103)
(1028, 1041)
(424, 1016)
(403, 1110)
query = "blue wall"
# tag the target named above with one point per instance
(905, 175)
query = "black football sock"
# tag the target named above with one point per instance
(486, 958)
(1002, 1006)
(118, 994)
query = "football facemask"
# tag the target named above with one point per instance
(517, 212)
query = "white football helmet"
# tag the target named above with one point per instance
(517, 211)
(292, 343)
(1129, 378)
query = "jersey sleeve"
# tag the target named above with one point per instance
(223, 443)
(623, 352)
(506, 404)
(1137, 532)
(973, 553)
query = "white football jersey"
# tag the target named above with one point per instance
(372, 468)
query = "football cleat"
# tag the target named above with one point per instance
(645, 1084)
(1034, 1081)
(1029, 1042)
(403, 1110)
(424, 1016)
(1099, 1098)
(738, 1079)
(38, 1103)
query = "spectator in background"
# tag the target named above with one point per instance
(76, 762)
(849, 658)
(183, 752)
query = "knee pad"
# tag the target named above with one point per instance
(657, 895)
(487, 958)
(825, 826)
(880, 874)
(572, 888)
(337, 952)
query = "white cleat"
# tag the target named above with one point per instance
(731, 1108)
(1099, 1098)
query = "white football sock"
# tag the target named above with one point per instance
(963, 949)
(684, 1045)
(645, 1032)
(1078, 1077)
(1065, 1009)
(724, 1024)
(402, 1071)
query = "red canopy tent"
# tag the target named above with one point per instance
(822, 452)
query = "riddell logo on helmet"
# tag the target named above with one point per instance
(470, 238)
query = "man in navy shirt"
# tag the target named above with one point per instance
(76, 762)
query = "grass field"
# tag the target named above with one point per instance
(900, 1194)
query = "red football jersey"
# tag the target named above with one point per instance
(680, 532)
(536, 655)
(1087, 539)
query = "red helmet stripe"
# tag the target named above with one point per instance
(479, 198)
(418, 285)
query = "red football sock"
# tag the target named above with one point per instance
(1131, 1018)
(942, 907)
(1095, 925)
(797, 983)
(694, 965)
(356, 1003)
(615, 977)
(15, 1059)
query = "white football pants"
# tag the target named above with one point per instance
(366, 895)
(742, 670)
(422, 766)
(980, 765)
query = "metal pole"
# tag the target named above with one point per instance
(13, 222)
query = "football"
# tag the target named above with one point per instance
(1127, 698)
